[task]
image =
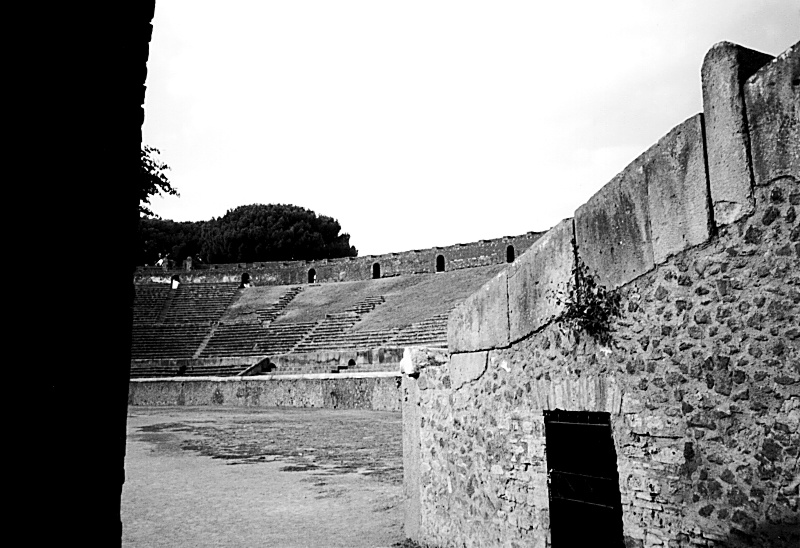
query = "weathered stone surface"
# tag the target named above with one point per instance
(772, 96)
(677, 190)
(725, 68)
(411, 457)
(613, 228)
(375, 391)
(467, 367)
(536, 276)
(481, 322)
(702, 383)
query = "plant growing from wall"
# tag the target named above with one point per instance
(589, 306)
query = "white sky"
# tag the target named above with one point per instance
(432, 122)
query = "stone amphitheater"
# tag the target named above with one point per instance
(209, 327)
(691, 414)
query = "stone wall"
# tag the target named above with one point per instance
(699, 236)
(455, 257)
(383, 359)
(375, 391)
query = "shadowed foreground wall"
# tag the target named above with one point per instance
(702, 381)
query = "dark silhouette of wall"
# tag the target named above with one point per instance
(81, 153)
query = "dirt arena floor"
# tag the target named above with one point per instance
(281, 478)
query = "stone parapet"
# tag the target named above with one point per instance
(700, 382)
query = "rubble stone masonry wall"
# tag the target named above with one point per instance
(702, 380)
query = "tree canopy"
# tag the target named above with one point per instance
(152, 179)
(251, 233)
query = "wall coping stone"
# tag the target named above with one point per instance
(270, 378)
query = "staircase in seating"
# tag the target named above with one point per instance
(335, 332)
(268, 314)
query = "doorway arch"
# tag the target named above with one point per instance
(312, 276)
(440, 263)
(510, 256)
(376, 271)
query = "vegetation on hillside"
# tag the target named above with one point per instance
(250, 233)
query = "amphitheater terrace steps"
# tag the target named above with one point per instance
(432, 331)
(167, 340)
(140, 371)
(252, 339)
(149, 301)
(194, 303)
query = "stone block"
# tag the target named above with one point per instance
(725, 68)
(467, 367)
(772, 97)
(677, 190)
(613, 228)
(535, 277)
(481, 322)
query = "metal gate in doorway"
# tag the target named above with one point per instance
(582, 478)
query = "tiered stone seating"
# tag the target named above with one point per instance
(153, 369)
(272, 311)
(304, 369)
(365, 339)
(140, 370)
(215, 370)
(330, 333)
(248, 339)
(335, 332)
(283, 338)
(149, 302)
(167, 340)
(430, 332)
(200, 303)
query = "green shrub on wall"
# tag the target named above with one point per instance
(589, 307)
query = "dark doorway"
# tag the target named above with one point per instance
(582, 479)
(510, 254)
(312, 276)
(440, 263)
(376, 271)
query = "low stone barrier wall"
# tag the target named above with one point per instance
(375, 391)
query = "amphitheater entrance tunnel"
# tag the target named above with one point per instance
(582, 479)
(440, 263)
(312, 276)
(376, 271)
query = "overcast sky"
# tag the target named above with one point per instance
(424, 123)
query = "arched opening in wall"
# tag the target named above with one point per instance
(440, 263)
(351, 363)
(510, 254)
(312, 276)
(583, 482)
(376, 271)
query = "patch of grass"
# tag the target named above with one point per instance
(252, 299)
(431, 294)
